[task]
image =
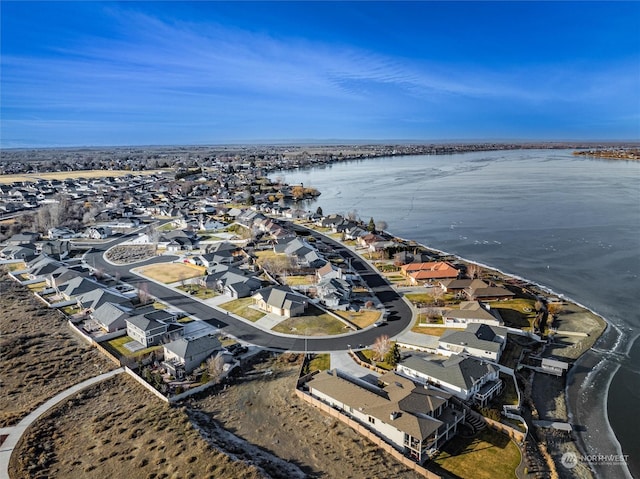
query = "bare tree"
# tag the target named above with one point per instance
(215, 367)
(381, 225)
(144, 296)
(381, 347)
(437, 294)
(474, 271)
(352, 215)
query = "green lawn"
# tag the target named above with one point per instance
(320, 362)
(368, 355)
(242, 307)
(517, 313)
(489, 455)
(118, 345)
(315, 322)
(419, 297)
(509, 395)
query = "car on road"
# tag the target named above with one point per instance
(382, 322)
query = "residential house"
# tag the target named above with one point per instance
(281, 301)
(334, 293)
(487, 292)
(368, 239)
(153, 327)
(304, 254)
(60, 233)
(23, 238)
(77, 286)
(95, 298)
(186, 354)
(467, 378)
(111, 317)
(98, 232)
(57, 248)
(470, 312)
(423, 272)
(328, 271)
(24, 252)
(478, 340)
(459, 285)
(404, 257)
(330, 221)
(231, 281)
(414, 419)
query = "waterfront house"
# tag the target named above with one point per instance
(471, 312)
(415, 419)
(422, 272)
(467, 378)
(485, 292)
(478, 340)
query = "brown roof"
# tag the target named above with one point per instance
(411, 403)
(430, 270)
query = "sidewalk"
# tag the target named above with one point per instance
(16, 432)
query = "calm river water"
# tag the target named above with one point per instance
(571, 224)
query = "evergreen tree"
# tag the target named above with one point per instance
(393, 356)
(372, 226)
(319, 211)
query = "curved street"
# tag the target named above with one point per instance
(400, 314)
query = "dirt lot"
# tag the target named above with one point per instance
(263, 409)
(41, 356)
(117, 429)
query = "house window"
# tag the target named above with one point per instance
(372, 420)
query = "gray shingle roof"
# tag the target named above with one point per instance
(189, 347)
(458, 371)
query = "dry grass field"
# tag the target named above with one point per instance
(63, 175)
(117, 429)
(172, 272)
(264, 410)
(41, 356)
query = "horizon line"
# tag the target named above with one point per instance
(335, 142)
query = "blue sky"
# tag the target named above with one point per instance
(141, 73)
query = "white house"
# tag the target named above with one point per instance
(471, 312)
(478, 340)
(467, 378)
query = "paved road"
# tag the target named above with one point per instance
(16, 432)
(399, 319)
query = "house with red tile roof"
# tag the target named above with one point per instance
(422, 272)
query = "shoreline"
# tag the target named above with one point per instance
(570, 393)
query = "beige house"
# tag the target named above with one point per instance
(415, 419)
(280, 300)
